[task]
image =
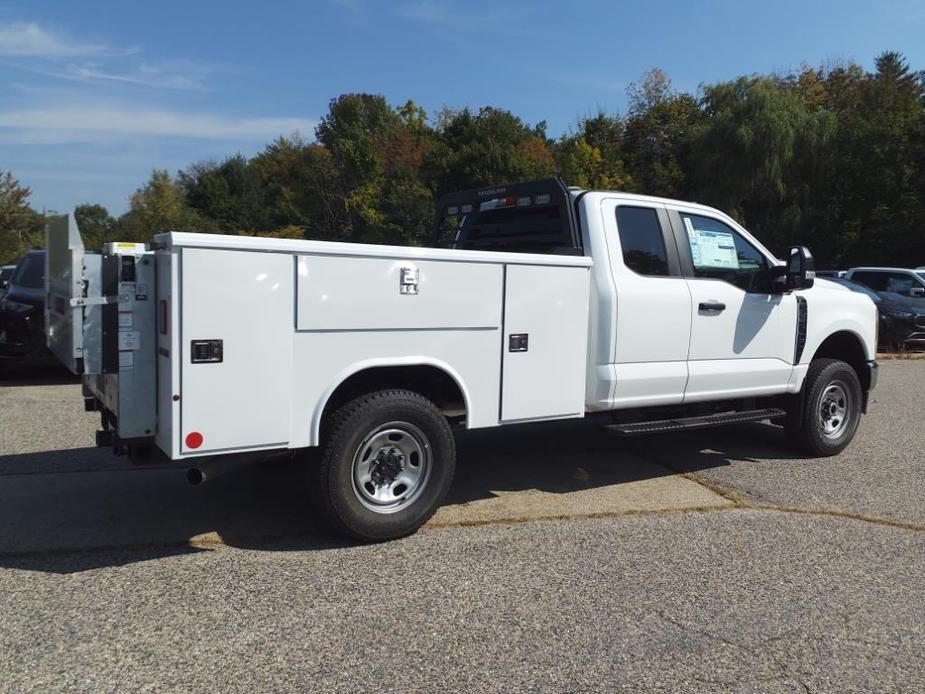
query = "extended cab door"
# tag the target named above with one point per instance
(742, 334)
(653, 305)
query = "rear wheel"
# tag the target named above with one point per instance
(387, 464)
(831, 408)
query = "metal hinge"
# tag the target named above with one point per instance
(94, 300)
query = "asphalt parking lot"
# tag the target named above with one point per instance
(564, 560)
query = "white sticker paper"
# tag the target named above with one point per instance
(712, 249)
(125, 319)
(126, 360)
(129, 340)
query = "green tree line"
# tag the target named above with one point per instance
(830, 157)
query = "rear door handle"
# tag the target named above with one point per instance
(712, 306)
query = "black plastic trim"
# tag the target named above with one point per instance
(802, 315)
(687, 423)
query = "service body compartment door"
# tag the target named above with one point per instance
(237, 320)
(545, 342)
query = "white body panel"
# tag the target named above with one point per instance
(245, 300)
(834, 308)
(337, 293)
(724, 343)
(299, 318)
(471, 358)
(652, 328)
(550, 306)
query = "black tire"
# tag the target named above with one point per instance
(834, 384)
(411, 437)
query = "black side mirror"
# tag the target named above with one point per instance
(801, 268)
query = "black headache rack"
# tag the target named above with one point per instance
(529, 217)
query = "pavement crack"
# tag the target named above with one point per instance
(740, 501)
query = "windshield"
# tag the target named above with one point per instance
(922, 275)
(30, 273)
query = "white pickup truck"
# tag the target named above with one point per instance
(549, 303)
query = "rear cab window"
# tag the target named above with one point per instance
(642, 241)
(531, 217)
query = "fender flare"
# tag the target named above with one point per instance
(384, 362)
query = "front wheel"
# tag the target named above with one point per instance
(831, 408)
(387, 464)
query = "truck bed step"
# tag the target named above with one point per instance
(684, 423)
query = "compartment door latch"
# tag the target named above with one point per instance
(206, 351)
(409, 280)
(517, 342)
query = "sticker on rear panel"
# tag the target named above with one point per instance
(126, 319)
(126, 360)
(129, 340)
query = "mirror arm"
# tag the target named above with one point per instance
(778, 276)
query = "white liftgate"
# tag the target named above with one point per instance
(99, 312)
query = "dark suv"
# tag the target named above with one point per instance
(22, 311)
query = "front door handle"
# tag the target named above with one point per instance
(712, 306)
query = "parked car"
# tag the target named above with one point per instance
(22, 311)
(829, 274)
(894, 280)
(901, 322)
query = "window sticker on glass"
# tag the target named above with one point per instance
(716, 249)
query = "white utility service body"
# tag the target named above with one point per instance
(668, 315)
(298, 318)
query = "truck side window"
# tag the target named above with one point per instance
(642, 241)
(720, 252)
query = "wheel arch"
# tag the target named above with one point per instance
(847, 346)
(430, 377)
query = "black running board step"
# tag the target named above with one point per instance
(686, 423)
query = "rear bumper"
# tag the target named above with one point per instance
(22, 335)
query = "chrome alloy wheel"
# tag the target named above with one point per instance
(391, 467)
(834, 409)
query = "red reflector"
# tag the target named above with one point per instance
(193, 439)
(507, 202)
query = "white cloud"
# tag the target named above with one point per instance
(28, 39)
(94, 123)
(177, 74)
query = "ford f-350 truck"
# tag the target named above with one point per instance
(545, 303)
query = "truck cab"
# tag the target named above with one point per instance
(534, 302)
(692, 308)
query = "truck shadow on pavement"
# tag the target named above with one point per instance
(81, 509)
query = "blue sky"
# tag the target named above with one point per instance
(96, 94)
